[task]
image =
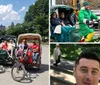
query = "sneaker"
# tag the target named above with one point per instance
(34, 61)
(82, 39)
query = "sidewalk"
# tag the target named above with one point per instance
(58, 76)
(64, 64)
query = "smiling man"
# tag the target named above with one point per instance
(87, 69)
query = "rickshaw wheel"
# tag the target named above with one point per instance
(18, 72)
(39, 63)
(2, 69)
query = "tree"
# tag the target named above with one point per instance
(2, 32)
(10, 30)
(40, 24)
(37, 17)
(72, 51)
(35, 20)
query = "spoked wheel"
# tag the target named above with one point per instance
(2, 69)
(18, 72)
(39, 63)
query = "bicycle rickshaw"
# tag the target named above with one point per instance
(69, 20)
(5, 58)
(72, 32)
(18, 71)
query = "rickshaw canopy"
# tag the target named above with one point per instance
(63, 8)
(7, 38)
(29, 36)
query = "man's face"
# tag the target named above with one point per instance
(24, 41)
(62, 15)
(87, 7)
(87, 72)
(11, 41)
(57, 46)
(34, 43)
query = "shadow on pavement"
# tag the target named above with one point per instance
(64, 64)
(43, 68)
(56, 81)
(33, 73)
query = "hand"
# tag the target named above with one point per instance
(62, 23)
(90, 22)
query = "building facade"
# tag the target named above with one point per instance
(2, 27)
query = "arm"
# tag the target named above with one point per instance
(84, 17)
(81, 17)
(55, 22)
(93, 16)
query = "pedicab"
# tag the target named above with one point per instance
(5, 57)
(72, 33)
(69, 20)
(18, 71)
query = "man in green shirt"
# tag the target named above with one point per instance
(85, 17)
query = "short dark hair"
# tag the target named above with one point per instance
(88, 54)
(53, 13)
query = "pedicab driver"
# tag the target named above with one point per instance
(85, 17)
(87, 69)
(23, 46)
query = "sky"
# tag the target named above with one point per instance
(13, 11)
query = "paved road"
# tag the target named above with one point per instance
(40, 77)
(97, 33)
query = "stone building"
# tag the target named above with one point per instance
(95, 4)
(2, 27)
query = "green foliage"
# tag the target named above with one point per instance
(40, 7)
(71, 51)
(30, 14)
(11, 29)
(2, 32)
(37, 17)
(40, 24)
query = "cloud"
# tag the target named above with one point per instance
(7, 13)
(12, 16)
(22, 9)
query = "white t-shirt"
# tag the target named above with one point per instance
(11, 46)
